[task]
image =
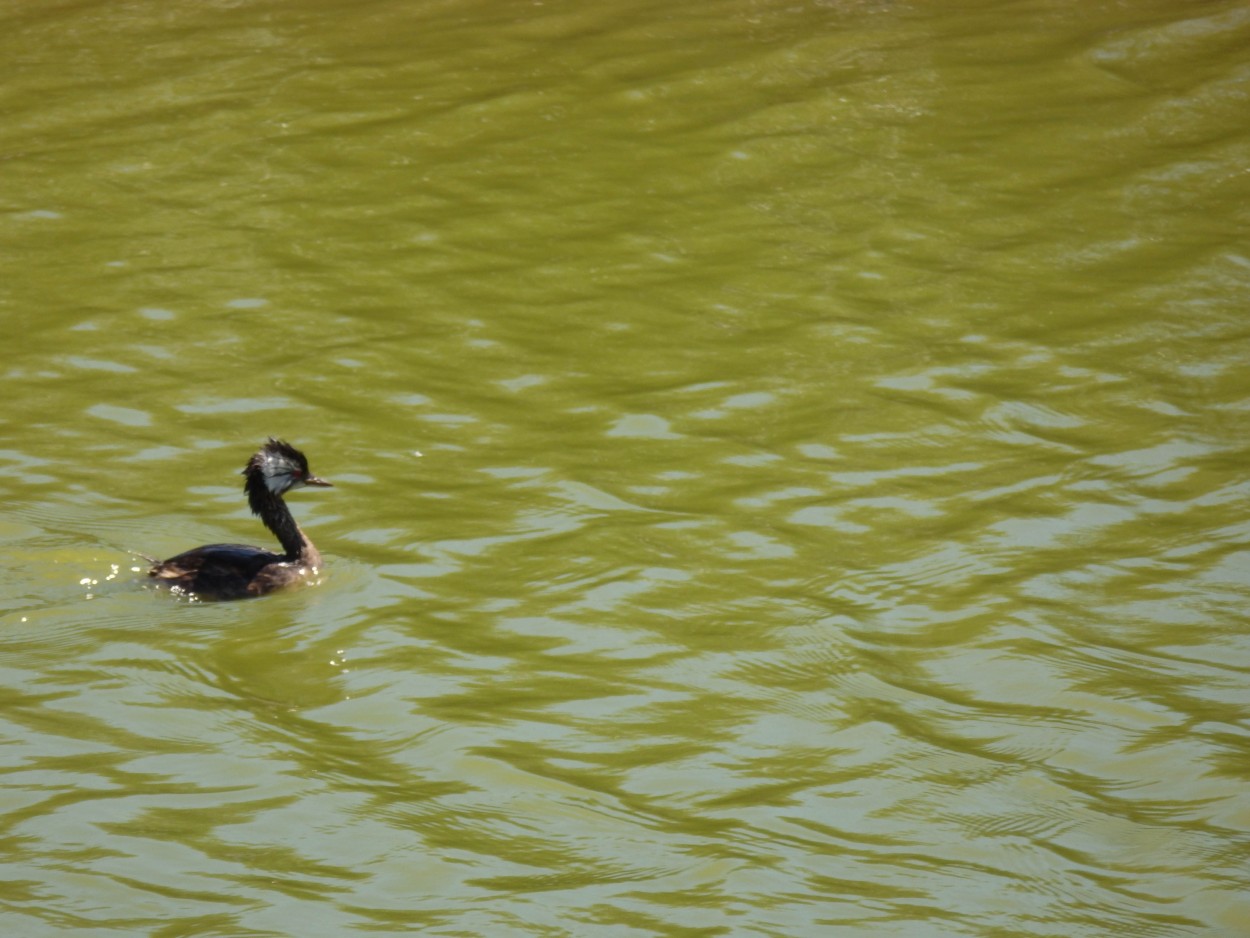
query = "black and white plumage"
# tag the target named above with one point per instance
(236, 571)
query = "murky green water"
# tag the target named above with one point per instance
(790, 463)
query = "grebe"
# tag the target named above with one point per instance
(236, 571)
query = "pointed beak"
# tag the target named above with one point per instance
(313, 480)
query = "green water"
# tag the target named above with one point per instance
(790, 467)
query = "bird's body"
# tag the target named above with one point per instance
(237, 571)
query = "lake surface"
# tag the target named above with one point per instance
(790, 468)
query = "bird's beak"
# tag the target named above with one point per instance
(313, 480)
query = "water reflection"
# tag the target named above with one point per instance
(830, 517)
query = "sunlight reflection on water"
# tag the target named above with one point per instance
(830, 505)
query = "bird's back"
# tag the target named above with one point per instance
(217, 571)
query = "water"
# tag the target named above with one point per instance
(789, 468)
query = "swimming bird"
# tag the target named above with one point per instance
(236, 571)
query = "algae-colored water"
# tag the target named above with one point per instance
(790, 468)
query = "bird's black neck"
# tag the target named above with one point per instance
(277, 518)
